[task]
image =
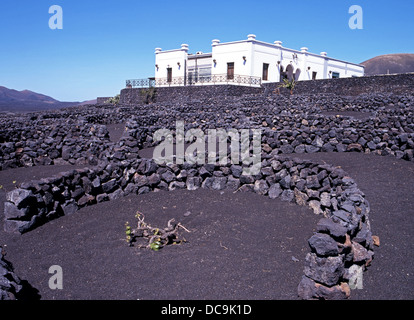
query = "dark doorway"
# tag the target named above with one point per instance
(265, 71)
(169, 74)
(230, 70)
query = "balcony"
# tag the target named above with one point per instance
(215, 79)
(141, 83)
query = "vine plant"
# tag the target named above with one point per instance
(146, 236)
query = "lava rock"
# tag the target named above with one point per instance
(109, 186)
(20, 197)
(261, 187)
(70, 207)
(193, 183)
(337, 231)
(275, 191)
(311, 290)
(287, 195)
(323, 245)
(312, 182)
(219, 183)
(325, 270)
(360, 254)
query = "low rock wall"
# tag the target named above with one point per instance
(102, 100)
(395, 83)
(295, 123)
(184, 94)
(11, 286)
(47, 143)
(344, 235)
(306, 134)
(79, 135)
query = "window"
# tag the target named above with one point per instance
(199, 74)
(169, 74)
(314, 75)
(230, 70)
(265, 71)
(335, 75)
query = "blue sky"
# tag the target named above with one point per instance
(105, 42)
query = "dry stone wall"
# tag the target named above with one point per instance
(344, 235)
(396, 83)
(11, 286)
(80, 136)
(380, 123)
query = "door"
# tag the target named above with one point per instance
(169, 74)
(265, 73)
(230, 70)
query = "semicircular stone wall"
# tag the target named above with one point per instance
(343, 236)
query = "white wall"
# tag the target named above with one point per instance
(268, 54)
(170, 59)
(231, 52)
(257, 53)
(316, 64)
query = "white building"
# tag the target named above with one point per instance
(247, 62)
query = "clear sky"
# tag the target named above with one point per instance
(105, 42)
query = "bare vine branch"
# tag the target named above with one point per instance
(156, 237)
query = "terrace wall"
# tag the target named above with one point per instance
(396, 83)
(102, 100)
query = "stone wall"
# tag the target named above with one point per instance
(396, 83)
(131, 96)
(44, 142)
(11, 286)
(290, 131)
(79, 135)
(181, 94)
(343, 239)
(300, 123)
(102, 100)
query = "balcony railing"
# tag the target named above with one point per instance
(140, 83)
(198, 80)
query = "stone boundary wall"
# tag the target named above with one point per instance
(50, 143)
(166, 94)
(11, 286)
(307, 135)
(79, 136)
(396, 83)
(343, 239)
(131, 96)
(102, 100)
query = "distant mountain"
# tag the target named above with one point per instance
(389, 63)
(88, 102)
(26, 100)
(11, 95)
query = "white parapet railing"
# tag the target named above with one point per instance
(215, 79)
